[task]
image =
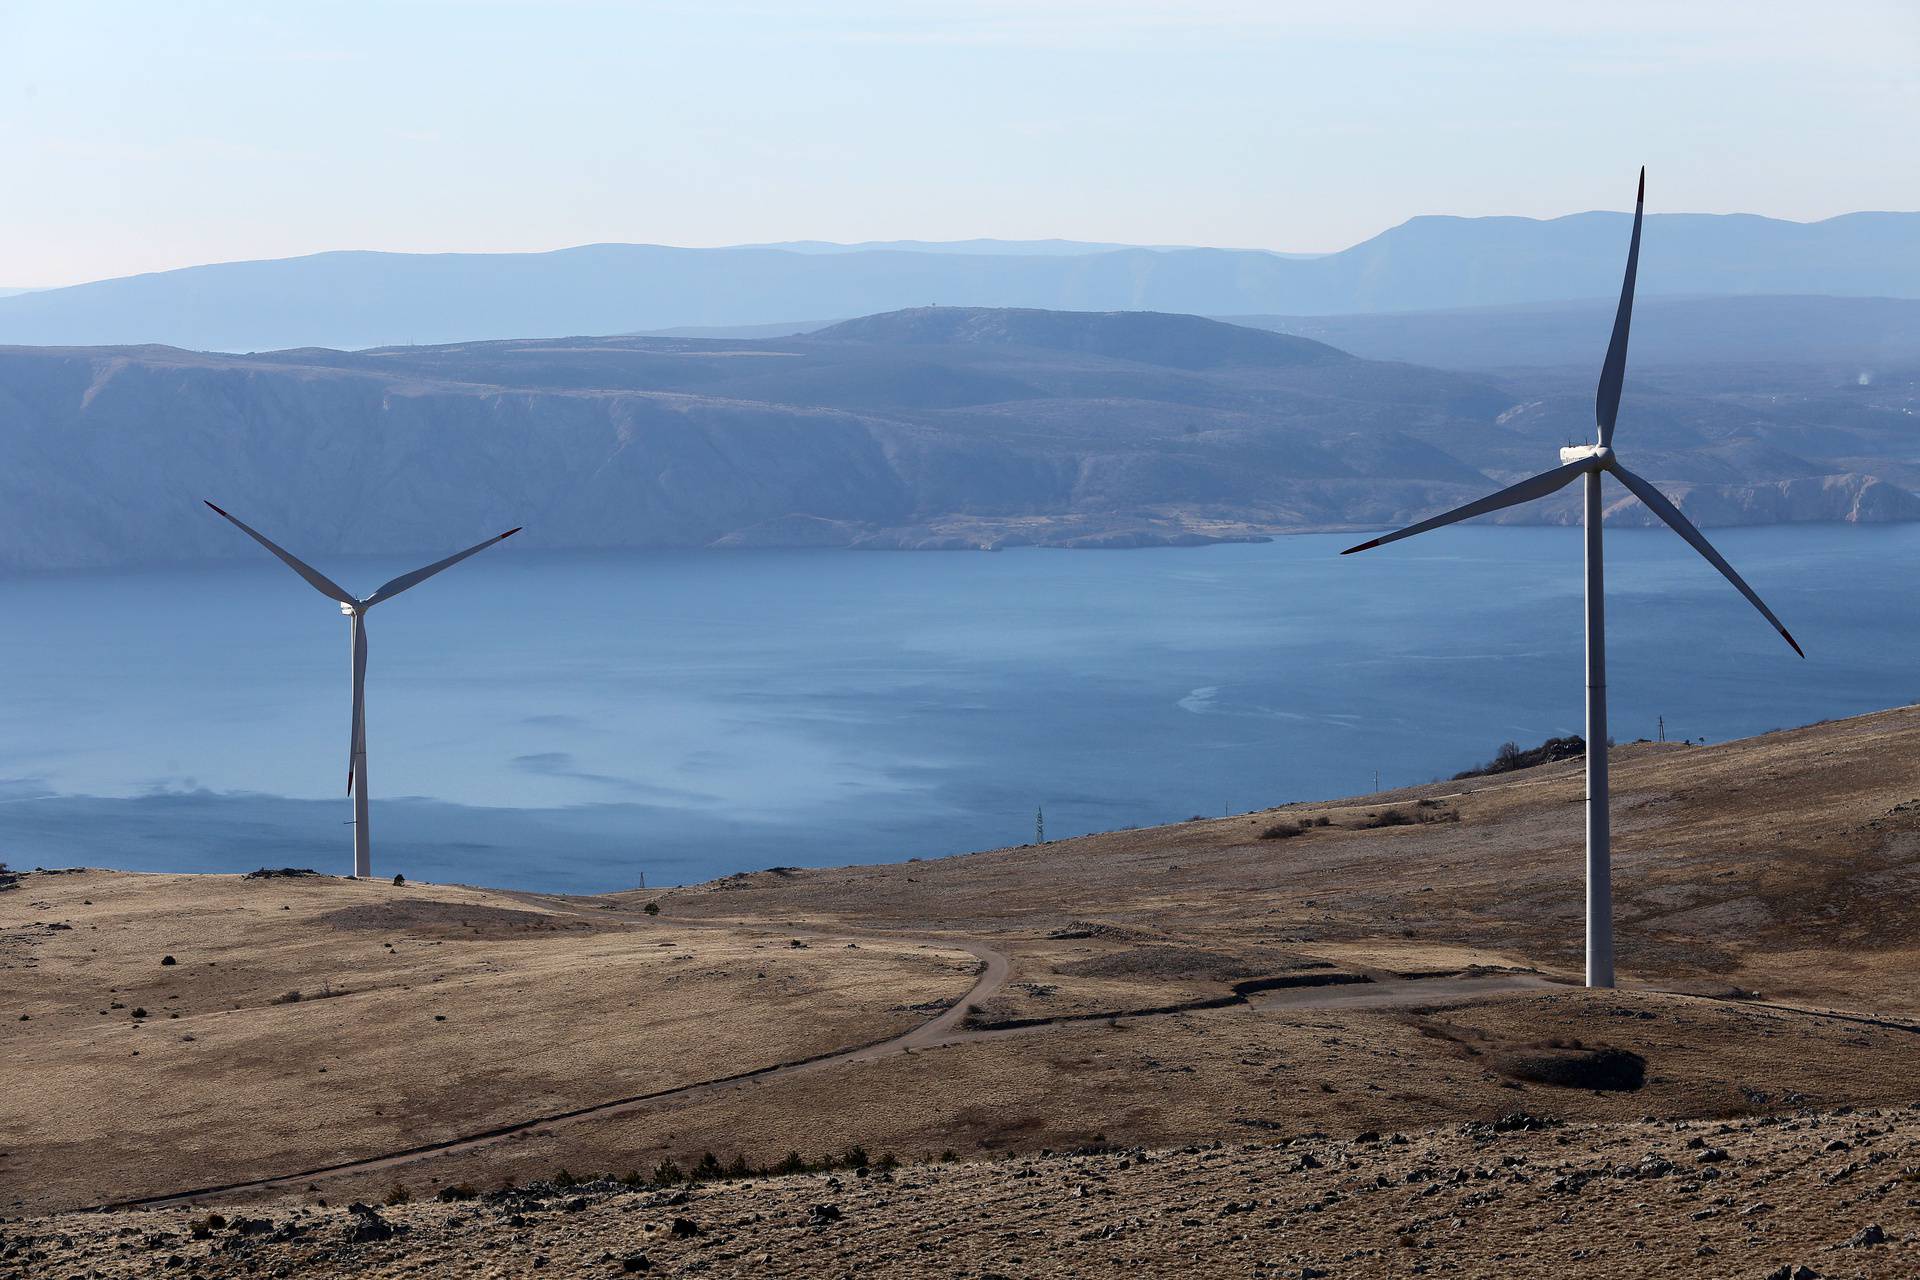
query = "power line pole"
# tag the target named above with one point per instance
(1039, 825)
(1663, 728)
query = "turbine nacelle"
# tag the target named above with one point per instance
(1601, 455)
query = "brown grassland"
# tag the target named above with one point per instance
(1243, 1052)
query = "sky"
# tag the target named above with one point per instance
(140, 136)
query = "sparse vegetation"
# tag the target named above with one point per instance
(652, 908)
(1386, 818)
(1282, 831)
(398, 1194)
(1510, 756)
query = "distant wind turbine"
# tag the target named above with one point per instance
(1592, 461)
(356, 611)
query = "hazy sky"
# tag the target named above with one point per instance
(140, 136)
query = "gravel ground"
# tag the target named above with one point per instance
(1831, 1194)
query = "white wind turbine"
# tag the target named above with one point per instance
(1592, 461)
(356, 611)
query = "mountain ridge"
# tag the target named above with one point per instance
(934, 428)
(354, 299)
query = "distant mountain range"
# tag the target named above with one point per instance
(354, 299)
(927, 428)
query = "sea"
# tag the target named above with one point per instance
(586, 721)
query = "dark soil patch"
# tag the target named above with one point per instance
(1615, 1070)
(448, 919)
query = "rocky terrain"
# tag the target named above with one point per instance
(1333, 1038)
(1789, 1197)
(939, 428)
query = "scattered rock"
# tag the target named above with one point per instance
(366, 1225)
(1866, 1237)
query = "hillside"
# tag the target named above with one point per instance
(1369, 994)
(355, 299)
(1870, 333)
(936, 428)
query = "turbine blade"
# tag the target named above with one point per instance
(391, 589)
(1658, 504)
(1606, 404)
(319, 581)
(1537, 487)
(357, 739)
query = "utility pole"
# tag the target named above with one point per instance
(1376, 779)
(1039, 825)
(1663, 728)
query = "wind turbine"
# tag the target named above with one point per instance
(356, 611)
(1591, 462)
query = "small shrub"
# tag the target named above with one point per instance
(167, 960)
(667, 1173)
(1281, 831)
(792, 1163)
(139, 1013)
(739, 1168)
(888, 1162)
(708, 1169)
(398, 879)
(855, 1157)
(652, 908)
(458, 1191)
(291, 997)
(1387, 818)
(564, 1180)
(633, 1178)
(398, 1194)
(948, 1156)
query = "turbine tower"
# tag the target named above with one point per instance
(356, 611)
(1590, 462)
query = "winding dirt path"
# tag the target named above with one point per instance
(938, 1030)
(945, 1030)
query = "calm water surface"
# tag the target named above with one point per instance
(571, 721)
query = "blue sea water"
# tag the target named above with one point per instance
(572, 721)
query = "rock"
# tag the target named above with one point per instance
(1866, 1237)
(366, 1225)
(823, 1214)
(682, 1228)
(635, 1262)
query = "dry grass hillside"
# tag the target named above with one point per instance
(1390, 964)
